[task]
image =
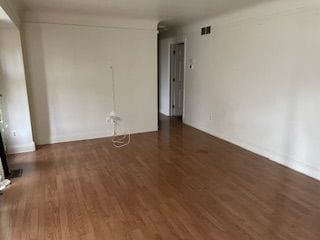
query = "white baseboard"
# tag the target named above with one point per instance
(71, 138)
(165, 113)
(22, 148)
(286, 161)
(82, 136)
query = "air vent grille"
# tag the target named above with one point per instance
(206, 30)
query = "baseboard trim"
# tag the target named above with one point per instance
(283, 160)
(71, 138)
(22, 148)
(165, 113)
(83, 136)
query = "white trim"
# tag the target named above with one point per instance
(82, 136)
(170, 43)
(287, 161)
(170, 75)
(262, 11)
(175, 42)
(85, 20)
(184, 79)
(23, 148)
(8, 7)
(71, 138)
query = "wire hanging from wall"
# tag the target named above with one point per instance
(121, 134)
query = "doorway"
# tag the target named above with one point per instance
(177, 62)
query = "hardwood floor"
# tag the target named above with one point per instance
(178, 183)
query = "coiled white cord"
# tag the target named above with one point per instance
(119, 140)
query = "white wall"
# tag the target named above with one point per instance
(256, 82)
(164, 75)
(14, 91)
(69, 78)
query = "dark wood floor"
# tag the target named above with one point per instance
(178, 183)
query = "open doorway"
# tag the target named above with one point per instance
(171, 82)
(177, 55)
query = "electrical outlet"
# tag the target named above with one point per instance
(14, 133)
(211, 116)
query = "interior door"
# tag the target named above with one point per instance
(177, 79)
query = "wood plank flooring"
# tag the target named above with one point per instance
(178, 183)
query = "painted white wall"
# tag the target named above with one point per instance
(69, 79)
(14, 92)
(256, 83)
(164, 75)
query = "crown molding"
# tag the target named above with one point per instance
(66, 18)
(253, 13)
(10, 9)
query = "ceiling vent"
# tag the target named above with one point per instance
(206, 30)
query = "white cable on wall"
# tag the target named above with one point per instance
(119, 140)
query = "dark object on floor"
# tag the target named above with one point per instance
(7, 173)
(4, 159)
(15, 173)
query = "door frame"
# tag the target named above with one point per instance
(184, 75)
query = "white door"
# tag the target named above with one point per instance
(177, 79)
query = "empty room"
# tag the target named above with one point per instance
(159, 119)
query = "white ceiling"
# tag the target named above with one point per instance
(168, 11)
